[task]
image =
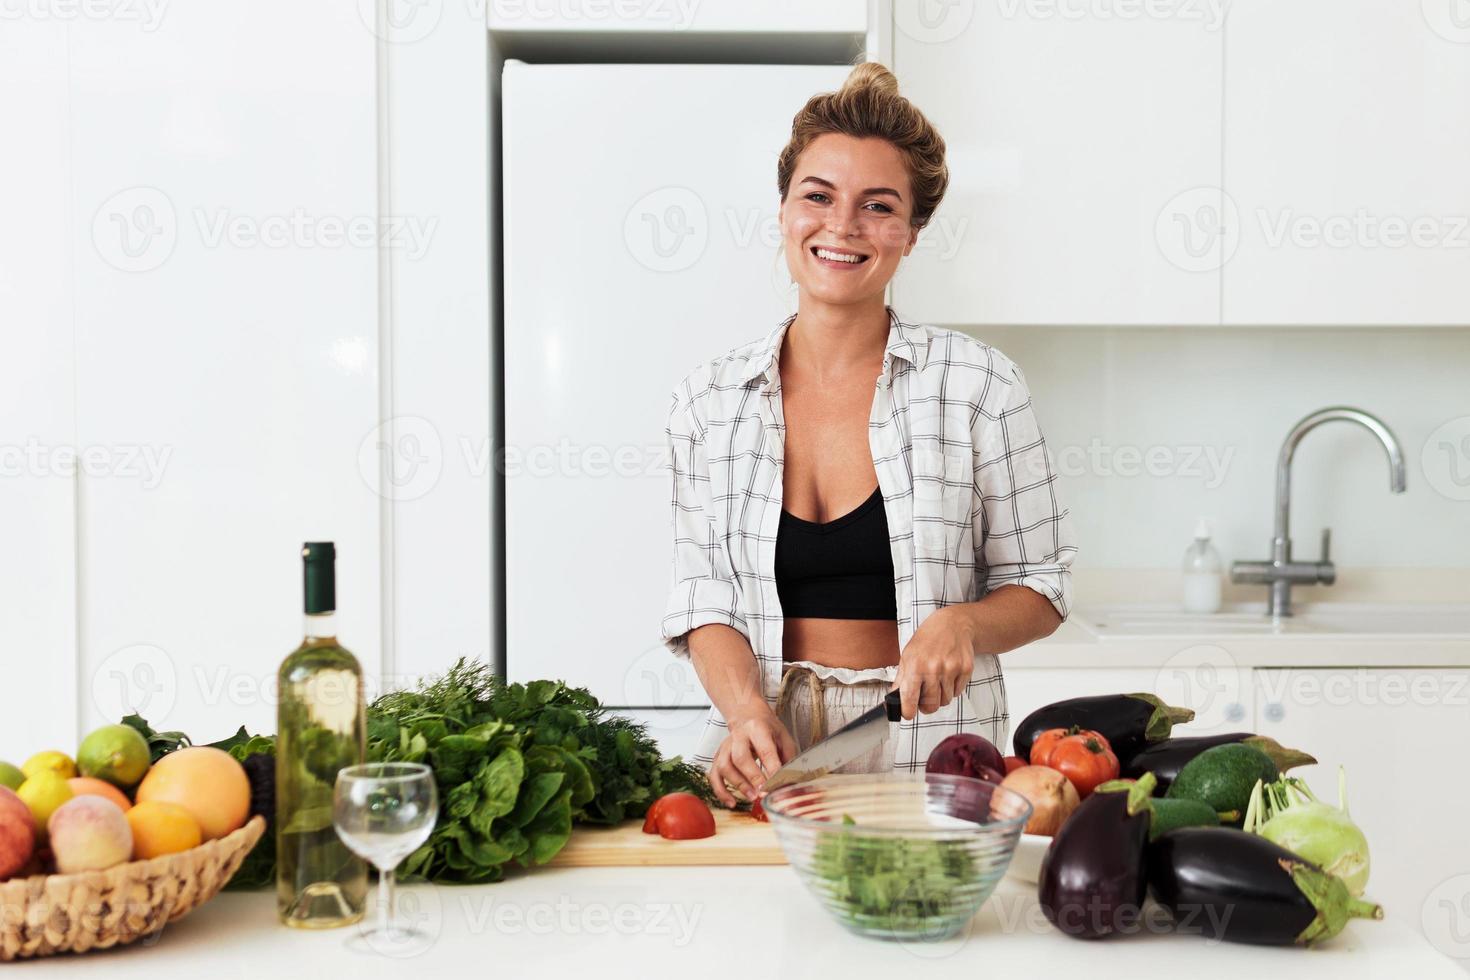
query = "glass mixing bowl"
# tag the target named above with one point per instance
(898, 855)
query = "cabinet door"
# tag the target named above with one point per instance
(225, 314)
(1347, 141)
(1202, 678)
(619, 278)
(676, 730)
(1215, 695)
(1084, 158)
(1392, 729)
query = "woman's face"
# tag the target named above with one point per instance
(849, 196)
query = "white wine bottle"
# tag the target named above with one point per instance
(320, 729)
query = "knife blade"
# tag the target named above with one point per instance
(849, 742)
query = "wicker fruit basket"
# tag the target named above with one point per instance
(74, 913)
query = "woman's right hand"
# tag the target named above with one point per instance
(755, 740)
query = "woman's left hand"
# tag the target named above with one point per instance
(936, 665)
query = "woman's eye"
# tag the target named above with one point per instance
(820, 198)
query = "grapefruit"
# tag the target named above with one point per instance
(207, 782)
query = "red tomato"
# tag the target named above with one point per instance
(679, 816)
(1013, 762)
(1084, 757)
(759, 812)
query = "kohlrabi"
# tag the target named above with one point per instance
(1286, 813)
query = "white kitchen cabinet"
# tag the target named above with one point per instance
(224, 218)
(1396, 730)
(1220, 695)
(676, 730)
(1347, 141)
(619, 278)
(683, 16)
(1084, 158)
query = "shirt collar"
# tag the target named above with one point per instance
(907, 341)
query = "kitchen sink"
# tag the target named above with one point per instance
(1327, 620)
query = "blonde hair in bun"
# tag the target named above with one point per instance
(868, 105)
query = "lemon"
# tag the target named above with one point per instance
(162, 828)
(50, 761)
(44, 793)
(115, 753)
(10, 776)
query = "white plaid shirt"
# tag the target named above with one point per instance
(968, 490)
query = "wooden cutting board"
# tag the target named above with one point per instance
(738, 839)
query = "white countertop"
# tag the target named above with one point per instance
(739, 922)
(1078, 643)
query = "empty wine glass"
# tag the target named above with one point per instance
(383, 811)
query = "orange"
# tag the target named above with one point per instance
(88, 786)
(204, 780)
(161, 828)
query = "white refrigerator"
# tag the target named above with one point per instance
(640, 238)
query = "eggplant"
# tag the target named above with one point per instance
(1093, 878)
(1165, 759)
(1228, 884)
(1127, 721)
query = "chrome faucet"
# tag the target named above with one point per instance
(1280, 572)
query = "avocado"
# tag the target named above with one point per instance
(1169, 814)
(1223, 777)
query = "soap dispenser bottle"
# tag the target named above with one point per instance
(1202, 572)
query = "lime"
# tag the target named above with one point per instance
(44, 793)
(10, 776)
(115, 753)
(50, 761)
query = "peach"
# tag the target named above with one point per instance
(89, 833)
(17, 833)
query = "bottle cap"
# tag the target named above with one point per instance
(319, 561)
(319, 551)
(1202, 530)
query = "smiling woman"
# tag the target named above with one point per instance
(859, 503)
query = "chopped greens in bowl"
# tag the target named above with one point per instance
(899, 856)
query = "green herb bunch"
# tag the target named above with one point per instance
(517, 765)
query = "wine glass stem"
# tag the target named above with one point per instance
(385, 899)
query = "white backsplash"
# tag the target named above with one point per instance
(1152, 428)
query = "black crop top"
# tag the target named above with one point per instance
(841, 569)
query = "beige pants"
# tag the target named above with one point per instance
(816, 700)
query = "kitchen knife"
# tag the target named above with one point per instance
(849, 742)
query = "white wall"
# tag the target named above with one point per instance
(1106, 397)
(37, 412)
(246, 251)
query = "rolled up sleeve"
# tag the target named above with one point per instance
(1023, 534)
(703, 589)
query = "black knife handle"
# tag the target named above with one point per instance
(894, 703)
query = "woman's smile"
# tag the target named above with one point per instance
(837, 258)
